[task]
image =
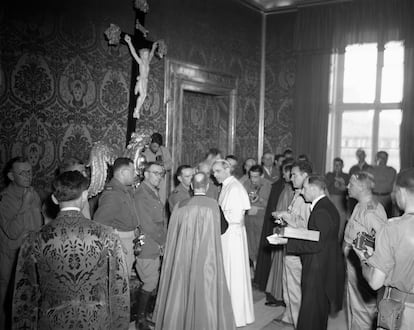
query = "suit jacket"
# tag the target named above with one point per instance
(274, 174)
(322, 261)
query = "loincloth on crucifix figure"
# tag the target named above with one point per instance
(143, 59)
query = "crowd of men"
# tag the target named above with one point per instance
(68, 262)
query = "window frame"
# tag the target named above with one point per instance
(337, 107)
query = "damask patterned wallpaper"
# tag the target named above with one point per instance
(62, 87)
(280, 82)
(222, 35)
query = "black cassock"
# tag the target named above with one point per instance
(323, 270)
(264, 258)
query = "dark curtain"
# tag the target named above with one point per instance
(323, 30)
(312, 107)
(407, 123)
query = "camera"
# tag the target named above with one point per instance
(138, 240)
(364, 240)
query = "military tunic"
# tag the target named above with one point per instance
(116, 208)
(180, 193)
(154, 225)
(16, 221)
(394, 257)
(367, 217)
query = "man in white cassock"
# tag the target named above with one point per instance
(234, 202)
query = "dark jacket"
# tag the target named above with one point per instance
(322, 262)
(264, 257)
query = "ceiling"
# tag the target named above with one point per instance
(274, 6)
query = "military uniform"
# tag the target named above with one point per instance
(116, 208)
(154, 225)
(394, 257)
(180, 193)
(15, 222)
(163, 157)
(367, 217)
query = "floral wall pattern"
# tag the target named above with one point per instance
(280, 82)
(223, 36)
(62, 87)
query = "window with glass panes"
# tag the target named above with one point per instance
(365, 102)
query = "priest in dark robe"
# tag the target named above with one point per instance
(193, 293)
(323, 269)
(264, 258)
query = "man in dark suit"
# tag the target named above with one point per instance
(270, 171)
(322, 262)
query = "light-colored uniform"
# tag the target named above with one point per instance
(361, 299)
(292, 271)
(394, 256)
(234, 202)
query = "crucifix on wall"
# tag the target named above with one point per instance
(142, 51)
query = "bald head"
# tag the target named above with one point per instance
(200, 182)
(204, 168)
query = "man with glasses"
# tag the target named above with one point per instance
(368, 217)
(153, 223)
(20, 212)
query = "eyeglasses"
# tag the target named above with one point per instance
(156, 173)
(24, 173)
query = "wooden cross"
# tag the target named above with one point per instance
(139, 41)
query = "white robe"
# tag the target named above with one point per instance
(234, 201)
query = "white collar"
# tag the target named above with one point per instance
(70, 208)
(317, 199)
(227, 180)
